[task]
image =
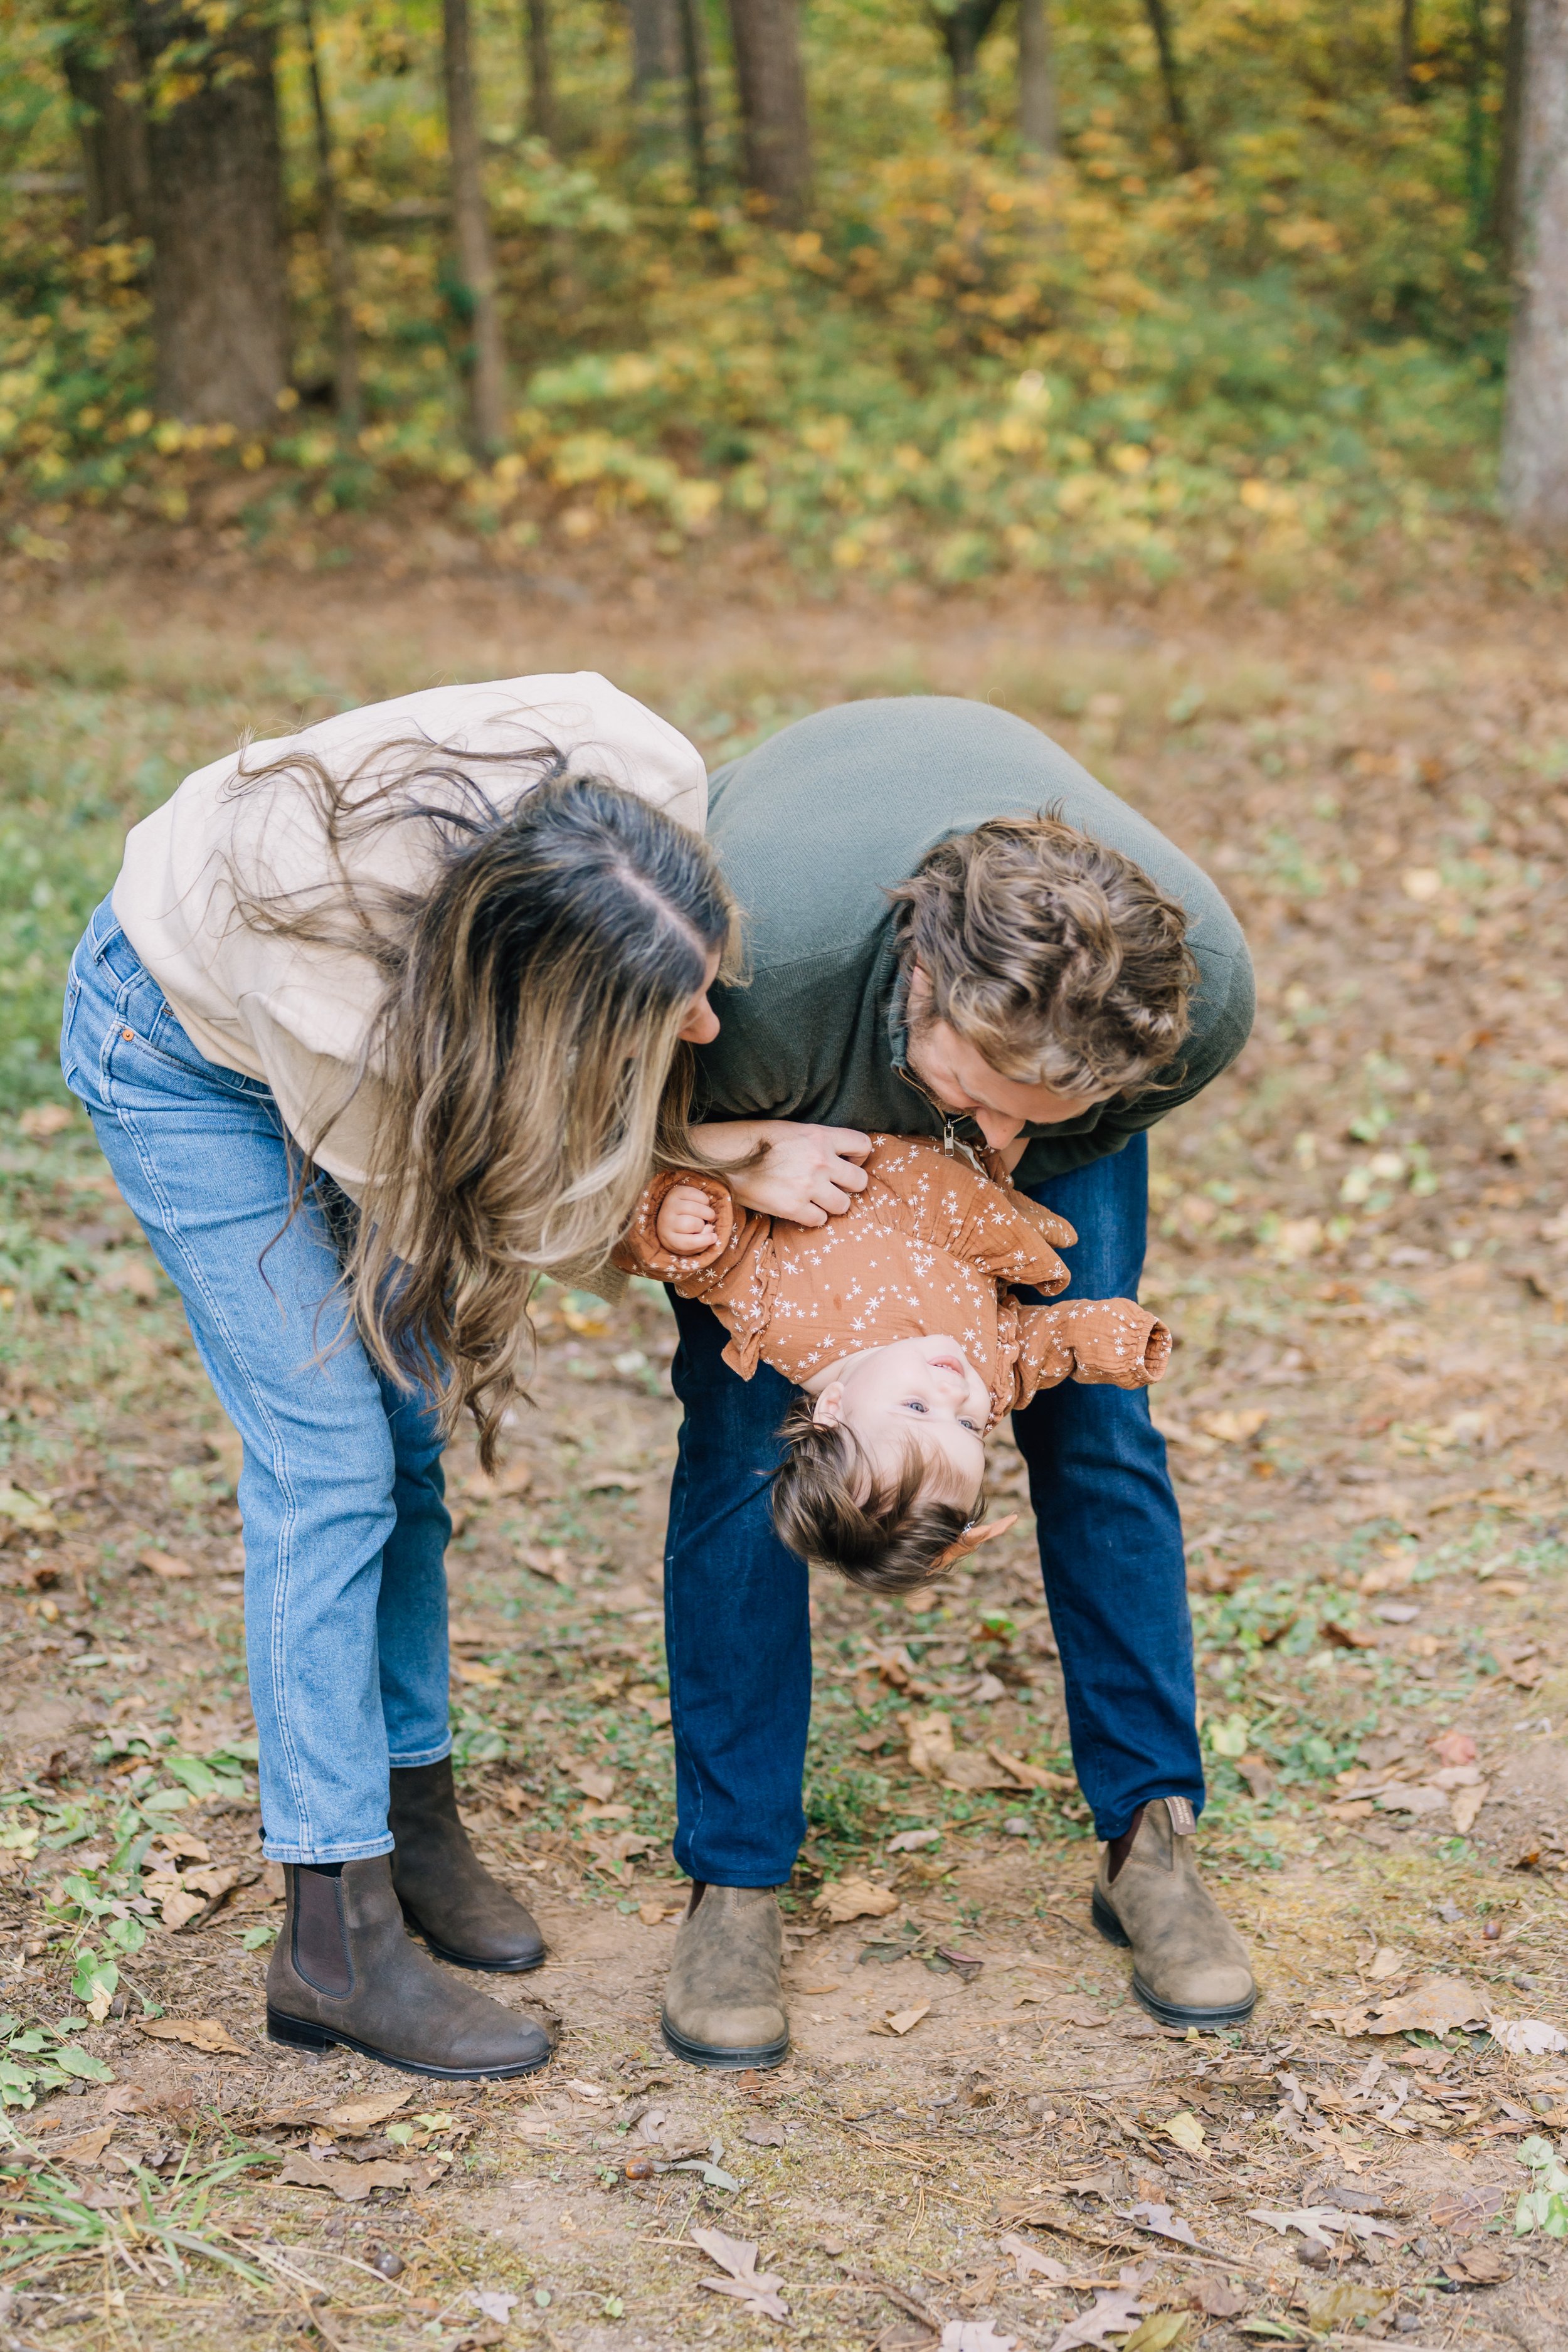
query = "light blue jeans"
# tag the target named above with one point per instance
(341, 1492)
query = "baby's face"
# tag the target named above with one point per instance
(922, 1392)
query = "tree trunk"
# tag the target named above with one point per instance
(1039, 132)
(1535, 425)
(541, 116)
(471, 235)
(775, 136)
(658, 74)
(655, 44)
(220, 299)
(112, 130)
(1405, 82)
(694, 63)
(961, 28)
(1159, 17)
(340, 269)
(1505, 186)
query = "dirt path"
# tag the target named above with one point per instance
(1362, 1243)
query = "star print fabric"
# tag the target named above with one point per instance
(930, 1246)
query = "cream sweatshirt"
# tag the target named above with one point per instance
(299, 1016)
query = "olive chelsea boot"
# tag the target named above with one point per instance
(1189, 1965)
(724, 2004)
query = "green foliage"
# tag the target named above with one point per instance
(1544, 2204)
(959, 369)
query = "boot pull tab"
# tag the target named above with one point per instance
(1183, 1821)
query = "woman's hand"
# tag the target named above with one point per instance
(685, 1223)
(807, 1174)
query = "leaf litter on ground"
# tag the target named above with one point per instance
(758, 2291)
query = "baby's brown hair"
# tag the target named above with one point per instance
(888, 1542)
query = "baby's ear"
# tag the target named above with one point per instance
(828, 1411)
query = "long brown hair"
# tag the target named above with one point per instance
(526, 1050)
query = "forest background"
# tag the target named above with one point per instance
(1130, 289)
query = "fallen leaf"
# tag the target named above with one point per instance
(359, 2115)
(1317, 2222)
(596, 1783)
(1112, 2314)
(1528, 2037)
(1085, 2019)
(1185, 2130)
(1162, 2222)
(843, 1899)
(1385, 1963)
(968, 1770)
(1420, 1797)
(1347, 1637)
(912, 1841)
(474, 1672)
(1233, 1427)
(352, 2182)
(1343, 2303)
(123, 1271)
(758, 2291)
(1479, 2266)
(179, 1907)
(126, 2099)
(1454, 1747)
(1032, 2264)
(1438, 2005)
(1158, 2332)
(974, 2335)
(766, 2135)
(1217, 2299)
(40, 1120)
(931, 1743)
(197, 2033)
(1525, 1672)
(515, 1479)
(164, 1564)
(1032, 1776)
(904, 2020)
(85, 2149)
(494, 2303)
(1466, 2209)
(27, 1511)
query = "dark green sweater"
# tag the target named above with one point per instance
(816, 823)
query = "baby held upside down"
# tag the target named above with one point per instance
(900, 1322)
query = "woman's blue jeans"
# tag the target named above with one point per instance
(342, 1493)
(1110, 1532)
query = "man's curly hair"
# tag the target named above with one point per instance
(887, 1542)
(1055, 958)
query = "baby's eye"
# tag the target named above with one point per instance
(975, 1425)
(916, 1405)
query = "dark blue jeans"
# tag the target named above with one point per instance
(736, 1620)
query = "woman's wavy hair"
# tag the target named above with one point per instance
(526, 1055)
(1054, 957)
(884, 1535)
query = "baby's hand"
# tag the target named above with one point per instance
(685, 1223)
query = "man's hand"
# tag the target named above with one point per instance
(807, 1174)
(686, 1224)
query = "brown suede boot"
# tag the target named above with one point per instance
(1189, 1965)
(724, 2003)
(448, 1895)
(344, 1970)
